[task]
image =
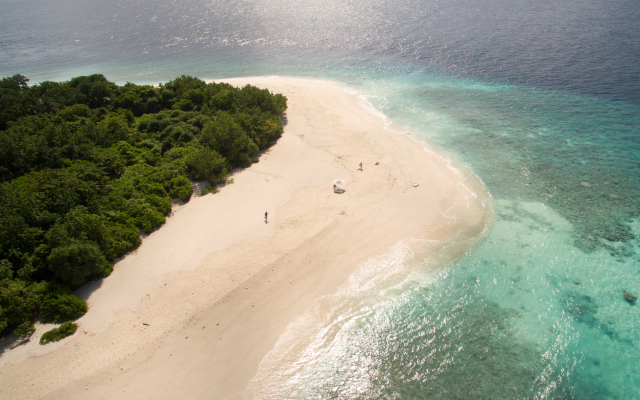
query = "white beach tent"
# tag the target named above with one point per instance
(338, 186)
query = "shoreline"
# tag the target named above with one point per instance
(195, 309)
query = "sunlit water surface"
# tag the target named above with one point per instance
(541, 99)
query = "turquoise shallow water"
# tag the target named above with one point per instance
(564, 172)
(524, 315)
(541, 99)
(536, 310)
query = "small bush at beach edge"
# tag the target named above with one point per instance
(64, 330)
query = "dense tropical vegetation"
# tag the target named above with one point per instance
(59, 333)
(86, 165)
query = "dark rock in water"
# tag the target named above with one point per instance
(629, 297)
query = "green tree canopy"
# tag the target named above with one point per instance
(87, 165)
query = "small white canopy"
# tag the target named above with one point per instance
(338, 186)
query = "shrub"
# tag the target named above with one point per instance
(122, 238)
(181, 188)
(209, 189)
(242, 160)
(63, 308)
(18, 299)
(74, 263)
(206, 164)
(75, 112)
(142, 215)
(108, 269)
(24, 329)
(64, 330)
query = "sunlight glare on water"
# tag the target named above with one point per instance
(540, 99)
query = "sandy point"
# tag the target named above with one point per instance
(194, 310)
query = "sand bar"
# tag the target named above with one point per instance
(194, 310)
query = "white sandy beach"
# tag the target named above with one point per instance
(194, 310)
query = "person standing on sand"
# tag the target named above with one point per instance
(265, 216)
(360, 167)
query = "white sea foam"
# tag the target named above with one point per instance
(325, 328)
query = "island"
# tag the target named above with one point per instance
(198, 305)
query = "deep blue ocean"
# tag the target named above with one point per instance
(540, 99)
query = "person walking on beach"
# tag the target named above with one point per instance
(360, 169)
(265, 216)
